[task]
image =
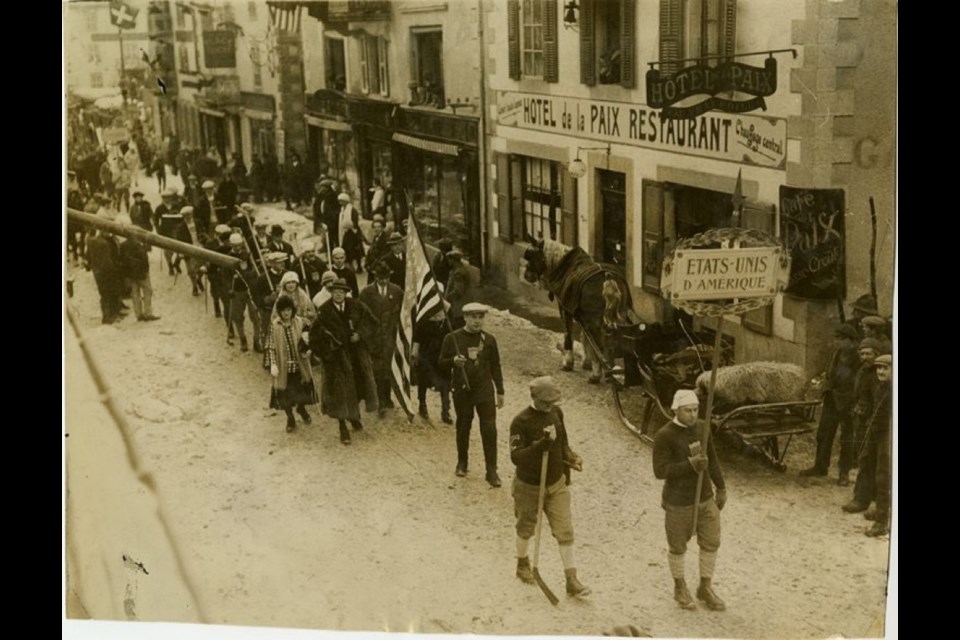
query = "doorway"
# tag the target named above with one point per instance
(613, 217)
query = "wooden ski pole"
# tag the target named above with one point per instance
(541, 496)
(705, 438)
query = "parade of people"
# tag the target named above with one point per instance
(534, 325)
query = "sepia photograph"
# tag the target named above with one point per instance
(479, 317)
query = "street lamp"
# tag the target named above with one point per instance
(578, 167)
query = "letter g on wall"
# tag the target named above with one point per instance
(865, 152)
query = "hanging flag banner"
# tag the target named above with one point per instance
(811, 222)
(747, 139)
(122, 15)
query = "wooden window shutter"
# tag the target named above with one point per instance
(568, 208)
(503, 196)
(516, 197)
(588, 47)
(513, 37)
(728, 27)
(671, 35)
(653, 208)
(628, 37)
(551, 66)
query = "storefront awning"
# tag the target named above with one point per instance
(427, 145)
(323, 123)
(211, 112)
(255, 114)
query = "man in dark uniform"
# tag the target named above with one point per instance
(141, 213)
(537, 430)
(345, 271)
(865, 388)
(135, 269)
(397, 260)
(679, 459)
(383, 298)
(472, 355)
(226, 199)
(205, 211)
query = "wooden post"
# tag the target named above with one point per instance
(705, 439)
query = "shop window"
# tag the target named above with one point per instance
(607, 42)
(335, 62)
(541, 199)
(691, 29)
(437, 188)
(536, 198)
(373, 65)
(426, 66)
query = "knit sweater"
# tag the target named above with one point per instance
(526, 452)
(671, 448)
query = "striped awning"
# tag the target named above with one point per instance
(427, 145)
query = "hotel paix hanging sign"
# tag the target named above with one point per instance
(741, 138)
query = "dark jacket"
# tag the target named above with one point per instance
(347, 369)
(387, 312)
(101, 256)
(483, 371)
(134, 263)
(527, 445)
(399, 266)
(141, 214)
(348, 274)
(457, 291)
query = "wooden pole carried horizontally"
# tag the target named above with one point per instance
(153, 239)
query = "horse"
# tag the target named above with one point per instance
(594, 294)
(598, 297)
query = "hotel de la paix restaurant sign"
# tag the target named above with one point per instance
(734, 137)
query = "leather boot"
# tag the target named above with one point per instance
(682, 594)
(524, 572)
(712, 600)
(344, 433)
(574, 586)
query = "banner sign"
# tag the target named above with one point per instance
(664, 90)
(745, 139)
(718, 274)
(811, 222)
(219, 49)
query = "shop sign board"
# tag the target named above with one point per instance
(741, 138)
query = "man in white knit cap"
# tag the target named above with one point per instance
(678, 459)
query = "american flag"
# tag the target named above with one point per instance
(421, 299)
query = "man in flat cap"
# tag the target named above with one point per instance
(839, 399)
(397, 259)
(880, 439)
(471, 354)
(536, 431)
(206, 207)
(384, 299)
(866, 389)
(679, 459)
(141, 213)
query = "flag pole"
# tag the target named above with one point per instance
(443, 299)
(123, 69)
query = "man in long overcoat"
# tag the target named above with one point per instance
(343, 335)
(384, 299)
